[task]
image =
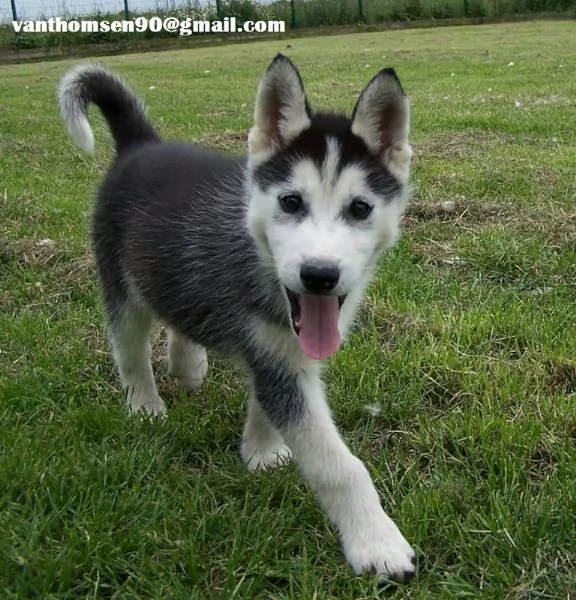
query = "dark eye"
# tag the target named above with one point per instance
(291, 203)
(359, 209)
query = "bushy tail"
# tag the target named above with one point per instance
(123, 111)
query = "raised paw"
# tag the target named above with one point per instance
(381, 551)
(257, 459)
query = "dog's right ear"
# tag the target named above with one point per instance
(281, 111)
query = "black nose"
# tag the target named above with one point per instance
(319, 277)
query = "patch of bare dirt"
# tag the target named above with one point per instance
(561, 376)
(463, 211)
(541, 463)
(562, 229)
(32, 252)
(456, 144)
(57, 272)
(227, 141)
(42, 253)
(391, 325)
(437, 254)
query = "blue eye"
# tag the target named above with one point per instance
(291, 203)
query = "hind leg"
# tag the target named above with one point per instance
(186, 360)
(262, 444)
(130, 337)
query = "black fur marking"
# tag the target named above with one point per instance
(312, 144)
(277, 390)
(279, 168)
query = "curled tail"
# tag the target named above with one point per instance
(123, 111)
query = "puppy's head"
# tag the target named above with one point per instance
(327, 194)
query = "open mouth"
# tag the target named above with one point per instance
(295, 310)
(315, 322)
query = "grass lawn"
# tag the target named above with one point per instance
(466, 350)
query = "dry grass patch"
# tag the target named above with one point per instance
(391, 325)
(542, 463)
(465, 144)
(561, 229)
(33, 253)
(226, 141)
(462, 212)
(561, 376)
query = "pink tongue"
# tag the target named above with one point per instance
(319, 336)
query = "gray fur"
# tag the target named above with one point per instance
(177, 238)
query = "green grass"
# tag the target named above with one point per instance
(467, 344)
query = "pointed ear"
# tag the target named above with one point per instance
(382, 119)
(281, 111)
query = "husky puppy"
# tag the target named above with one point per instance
(264, 259)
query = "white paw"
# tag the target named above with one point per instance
(191, 373)
(149, 405)
(191, 381)
(380, 550)
(257, 459)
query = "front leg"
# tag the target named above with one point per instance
(295, 404)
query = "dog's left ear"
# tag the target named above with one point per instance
(281, 111)
(382, 119)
